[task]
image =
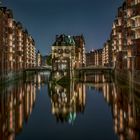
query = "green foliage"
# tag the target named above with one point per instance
(49, 60)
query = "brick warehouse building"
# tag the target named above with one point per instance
(68, 53)
(17, 47)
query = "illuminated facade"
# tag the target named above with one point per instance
(79, 51)
(68, 53)
(133, 13)
(63, 56)
(107, 54)
(98, 57)
(126, 36)
(38, 59)
(119, 39)
(90, 58)
(17, 47)
(29, 51)
(94, 58)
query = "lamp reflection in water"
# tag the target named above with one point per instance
(16, 104)
(125, 106)
(124, 103)
(67, 101)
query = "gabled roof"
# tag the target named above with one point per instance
(64, 40)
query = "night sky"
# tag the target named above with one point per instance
(46, 18)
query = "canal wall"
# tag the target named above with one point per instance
(12, 76)
(131, 78)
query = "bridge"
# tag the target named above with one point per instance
(39, 69)
(81, 69)
(84, 72)
(95, 68)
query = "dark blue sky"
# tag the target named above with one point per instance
(46, 18)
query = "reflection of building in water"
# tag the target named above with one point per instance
(16, 105)
(107, 90)
(39, 79)
(67, 102)
(97, 78)
(125, 105)
(126, 113)
(126, 110)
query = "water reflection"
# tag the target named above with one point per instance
(96, 78)
(126, 113)
(67, 101)
(125, 106)
(16, 105)
(17, 102)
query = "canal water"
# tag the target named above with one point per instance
(96, 108)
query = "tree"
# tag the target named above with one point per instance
(49, 60)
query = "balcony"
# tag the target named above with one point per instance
(20, 34)
(129, 42)
(10, 43)
(10, 58)
(119, 22)
(137, 50)
(10, 30)
(135, 2)
(129, 52)
(10, 37)
(137, 35)
(136, 24)
(129, 24)
(135, 16)
(20, 44)
(119, 29)
(136, 12)
(114, 26)
(20, 39)
(114, 33)
(136, 27)
(129, 12)
(120, 36)
(10, 23)
(9, 49)
(20, 59)
(19, 49)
